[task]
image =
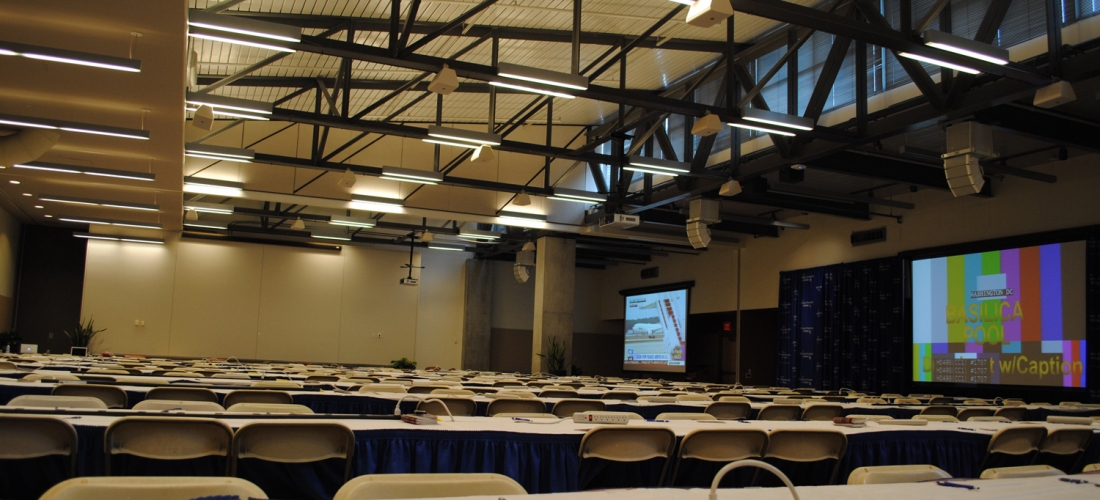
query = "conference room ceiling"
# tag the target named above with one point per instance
(289, 179)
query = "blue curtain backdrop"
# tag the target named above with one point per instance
(842, 326)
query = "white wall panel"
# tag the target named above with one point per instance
(441, 312)
(300, 304)
(216, 303)
(374, 302)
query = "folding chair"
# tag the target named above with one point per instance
(892, 474)
(113, 397)
(515, 406)
(685, 416)
(721, 446)
(822, 412)
(1064, 448)
(164, 404)
(459, 407)
(729, 410)
(250, 396)
(447, 485)
(1015, 442)
(269, 408)
(1021, 472)
(291, 443)
(27, 438)
(34, 401)
(968, 413)
(161, 488)
(567, 407)
(166, 438)
(807, 446)
(182, 394)
(780, 412)
(939, 410)
(630, 444)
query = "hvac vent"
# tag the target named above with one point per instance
(877, 235)
(650, 272)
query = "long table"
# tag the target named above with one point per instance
(543, 457)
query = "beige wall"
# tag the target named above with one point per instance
(9, 266)
(213, 298)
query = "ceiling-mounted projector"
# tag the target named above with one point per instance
(707, 13)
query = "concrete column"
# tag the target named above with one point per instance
(477, 325)
(555, 272)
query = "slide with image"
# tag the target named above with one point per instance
(1013, 316)
(655, 329)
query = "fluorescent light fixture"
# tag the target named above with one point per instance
(86, 128)
(233, 114)
(477, 234)
(452, 143)
(504, 214)
(444, 246)
(377, 204)
(102, 203)
(938, 62)
(685, 2)
(137, 224)
(657, 165)
(119, 174)
(649, 170)
(89, 236)
(545, 77)
(340, 220)
(777, 119)
(49, 167)
(135, 239)
(240, 39)
(577, 196)
(212, 186)
(209, 208)
(761, 129)
(411, 175)
(464, 135)
(109, 222)
(224, 153)
(70, 57)
(83, 221)
(221, 226)
(966, 47)
(219, 102)
(529, 88)
(331, 235)
(244, 26)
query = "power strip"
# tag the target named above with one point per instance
(601, 417)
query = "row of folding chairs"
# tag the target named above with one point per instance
(116, 397)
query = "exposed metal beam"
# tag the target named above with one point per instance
(410, 21)
(877, 166)
(1044, 125)
(242, 73)
(825, 195)
(873, 33)
(634, 43)
(442, 30)
(930, 16)
(222, 6)
(504, 32)
(991, 23)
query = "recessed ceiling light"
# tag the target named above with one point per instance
(14, 182)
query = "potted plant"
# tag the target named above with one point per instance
(403, 364)
(84, 333)
(555, 357)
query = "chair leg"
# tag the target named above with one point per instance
(675, 471)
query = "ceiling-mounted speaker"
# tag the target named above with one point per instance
(520, 272)
(707, 13)
(704, 210)
(426, 237)
(347, 179)
(193, 71)
(964, 174)
(483, 154)
(522, 199)
(445, 82)
(525, 257)
(698, 234)
(298, 224)
(707, 125)
(191, 215)
(731, 188)
(204, 118)
(1052, 95)
(26, 146)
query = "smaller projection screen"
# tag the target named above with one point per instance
(656, 331)
(1014, 316)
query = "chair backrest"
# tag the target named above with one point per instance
(1066, 441)
(685, 416)
(807, 446)
(428, 486)
(386, 388)
(161, 488)
(276, 384)
(232, 375)
(723, 445)
(826, 412)
(620, 395)
(459, 407)
(890, 474)
(559, 394)
(734, 399)
(939, 410)
(286, 442)
(454, 392)
(873, 418)
(1017, 440)
(1014, 414)
(178, 373)
(936, 418)
(322, 378)
(628, 444)
(26, 437)
(33, 377)
(989, 419)
(1020, 472)
(787, 401)
(109, 371)
(507, 383)
(729, 410)
(940, 400)
(567, 407)
(515, 406)
(113, 397)
(269, 408)
(969, 413)
(1091, 467)
(871, 400)
(516, 394)
(35, 401)
(417, 389)
(906, 401)
(249, 396)
(780, 412)
(164, 404)
(8, 365)
(166, 438)
(182, 394)
(693, 397)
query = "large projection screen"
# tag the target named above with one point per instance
(656, 331)
(1014, 316)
